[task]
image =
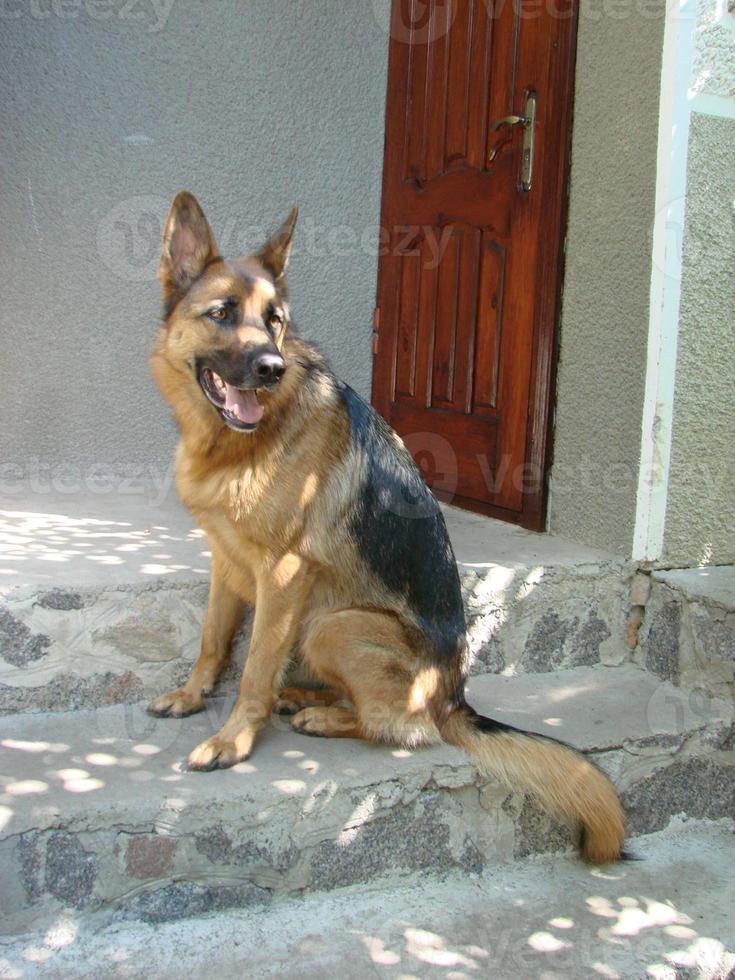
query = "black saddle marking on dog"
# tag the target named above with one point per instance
(399, 530)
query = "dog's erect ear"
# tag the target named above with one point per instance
(274, 254)
(188, 246)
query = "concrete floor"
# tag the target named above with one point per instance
(85, 540)
(668, 915)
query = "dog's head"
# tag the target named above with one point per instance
(226, 321)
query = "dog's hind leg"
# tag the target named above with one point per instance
(293, 699)
(224, 616)
(399, 698)
(367, 655)
(332, 721)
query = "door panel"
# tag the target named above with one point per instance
(489, 326)
(456, 453)
(468, 287)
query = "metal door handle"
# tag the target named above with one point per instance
(509, 121)
(528, 121)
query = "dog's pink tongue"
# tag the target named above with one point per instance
(243, 405)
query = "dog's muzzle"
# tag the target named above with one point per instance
(232, 382)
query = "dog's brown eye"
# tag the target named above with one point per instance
(220, 313)
(275, 321)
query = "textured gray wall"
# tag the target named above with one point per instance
(700, 512)
(604, 325)
(700, 515)
(713, 64)
(252, 105)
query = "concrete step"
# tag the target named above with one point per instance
(101, 824)
(667, 916)
(102, 600)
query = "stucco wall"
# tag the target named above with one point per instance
(604, 323)
(713, 64)
(700, 513)
(109, 108)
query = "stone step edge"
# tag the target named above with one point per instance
(400, 932)
(62, 649)
(158, 886)
(160, 858)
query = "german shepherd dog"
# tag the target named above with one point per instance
(317, 515)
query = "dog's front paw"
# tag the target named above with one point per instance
(176, 704)
(220, 752)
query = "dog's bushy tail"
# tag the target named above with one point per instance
(567, 785)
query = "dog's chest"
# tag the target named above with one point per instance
(260, 506)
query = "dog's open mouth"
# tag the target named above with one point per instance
(239, 407)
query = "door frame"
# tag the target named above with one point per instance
(547, 316)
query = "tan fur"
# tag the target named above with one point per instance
(333, 721)
(360, 652)
(294, 699)
(365, 654)
(273, 504)
(568, 786)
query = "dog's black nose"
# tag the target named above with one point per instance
(269, 368)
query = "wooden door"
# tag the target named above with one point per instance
(470, 262)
